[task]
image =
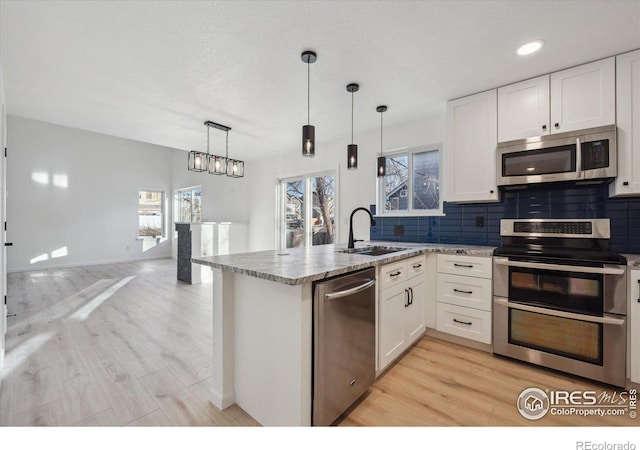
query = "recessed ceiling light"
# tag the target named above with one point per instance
(530, 47)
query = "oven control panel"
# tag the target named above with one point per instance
(553, 227)
(556, 228)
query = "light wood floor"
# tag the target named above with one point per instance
(127, 344)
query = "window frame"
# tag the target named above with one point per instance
(176, 204)
(410, 211)
(163, 209)
(281, 239)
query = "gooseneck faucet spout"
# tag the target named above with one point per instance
(373, 223)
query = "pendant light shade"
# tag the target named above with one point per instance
(217, 165)
(308, 140)
(197, 161)
(352, 149)
(235, 168)
(382, 161)
(308, 131)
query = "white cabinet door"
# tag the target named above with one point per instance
(414, 312)
(634, 325)
(469, 154)
(523, 109)
(391, 337)
(583, 96)
(628, 121)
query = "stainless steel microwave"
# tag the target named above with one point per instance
(588, 154)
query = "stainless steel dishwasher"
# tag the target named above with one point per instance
(343, 343)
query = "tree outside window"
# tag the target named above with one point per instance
(308, 210)
(411, 184)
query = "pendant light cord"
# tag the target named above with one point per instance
(380, 134)
(352, 118)
(227, 146)
(208, 139)
(308, 93)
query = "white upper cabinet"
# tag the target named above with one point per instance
(572, 99)
(628, 124)
(469, 154)
(523, 109)
(583, 96)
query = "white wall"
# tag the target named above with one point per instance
(356, 187)
(95, 216)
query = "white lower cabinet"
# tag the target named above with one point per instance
(401, 299)
(634, 326)
(464, 296)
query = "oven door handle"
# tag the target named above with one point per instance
(560, 267)
(607, 320)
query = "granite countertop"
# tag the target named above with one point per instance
(633, 260)
(303, 265)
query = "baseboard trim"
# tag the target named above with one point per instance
(86, 263)
(459, 340)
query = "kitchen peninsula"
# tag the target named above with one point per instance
(262, 323)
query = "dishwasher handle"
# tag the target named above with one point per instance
(353, 290)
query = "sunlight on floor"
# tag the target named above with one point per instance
(86, 310)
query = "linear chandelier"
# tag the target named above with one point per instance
(215, 164)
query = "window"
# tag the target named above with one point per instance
(188, 204)
(411, 185)
(308, 208)
(151, 217)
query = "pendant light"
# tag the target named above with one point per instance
(235, 167)
(308, 131)
(198, 161)
(382, 161)
(217, 164)
(352, 149)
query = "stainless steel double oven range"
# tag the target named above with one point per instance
(560, 297)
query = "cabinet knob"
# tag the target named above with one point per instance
(544, 127)
(625, 183)
(557, 125)
(491, 191)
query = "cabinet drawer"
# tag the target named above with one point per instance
(473, 266)
(392, 274)
(465, 291)
(416, 266)
(464, 322)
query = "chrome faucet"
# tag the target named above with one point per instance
(373, 224)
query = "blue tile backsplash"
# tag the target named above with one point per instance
(458, 225)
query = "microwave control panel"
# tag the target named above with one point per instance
(595, 154)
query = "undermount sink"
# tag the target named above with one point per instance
(372, 251)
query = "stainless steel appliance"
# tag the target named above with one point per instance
(576, 155)
(560, 297)
(344, 343)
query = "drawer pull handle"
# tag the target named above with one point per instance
(639, 292)
(463, 323)
(468, 266)
(395, 274)
(417, 266)
(462, 292)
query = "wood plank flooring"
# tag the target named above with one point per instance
(128, 345)
(438, 383)
(111, 345)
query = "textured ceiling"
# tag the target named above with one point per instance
(154, 71)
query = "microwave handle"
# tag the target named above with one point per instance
(578, 159)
